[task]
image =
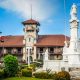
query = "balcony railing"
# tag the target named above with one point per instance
(16, 54)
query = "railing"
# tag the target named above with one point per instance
(16, 53)
(19, 53)
(51, 52)
(41, 51)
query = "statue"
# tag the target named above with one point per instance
(73, 12)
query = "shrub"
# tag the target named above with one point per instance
(33, 66)
(52, 76)
(63, 75)
(42, 75)
(23, 66)
(26, 73)
(1, 73)
(38, 63)
(11, 65)
(30, 68)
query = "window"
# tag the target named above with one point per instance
(9, 50)
(19, 50)
(51, 49)
(41, 50)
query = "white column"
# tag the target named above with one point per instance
(35, 53)
(46, 54)
(28, 56)
(28, 52)
(65, 49)
(38, 55)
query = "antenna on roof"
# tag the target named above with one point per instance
(65, 18)
(31, 9)
(0, 33)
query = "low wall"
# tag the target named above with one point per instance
(55, 65)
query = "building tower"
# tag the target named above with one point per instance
(31, 30)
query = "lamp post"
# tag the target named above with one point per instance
(0, 36)
(2, 41)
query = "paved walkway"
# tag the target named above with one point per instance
(75, 74)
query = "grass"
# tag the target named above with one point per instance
(24, 78)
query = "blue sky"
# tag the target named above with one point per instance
(50, 14)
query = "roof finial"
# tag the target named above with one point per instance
(65, 18)
(31, 9)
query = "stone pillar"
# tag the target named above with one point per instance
(39, 55)
(4, 51)
(46, 54)
(28, 56)
(35, 53)
(24, 54)
(65, 49)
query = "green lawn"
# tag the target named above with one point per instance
(23, 78)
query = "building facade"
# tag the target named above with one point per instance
(31, 46)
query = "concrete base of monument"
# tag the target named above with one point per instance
(58, 65)
(55, 65)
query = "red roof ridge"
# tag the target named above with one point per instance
(31, 21)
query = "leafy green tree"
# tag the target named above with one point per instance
(11, 65)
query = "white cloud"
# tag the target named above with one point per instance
(41, 10)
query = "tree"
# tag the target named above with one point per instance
(11, 65)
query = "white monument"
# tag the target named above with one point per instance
(72, 53)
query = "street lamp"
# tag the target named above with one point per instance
(0, 37)
(2, 41)
(0, 32)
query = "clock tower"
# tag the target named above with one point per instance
(31, 30)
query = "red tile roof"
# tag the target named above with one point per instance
(12, 41)
(51, 40)
(31, 21)
(43, 40)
